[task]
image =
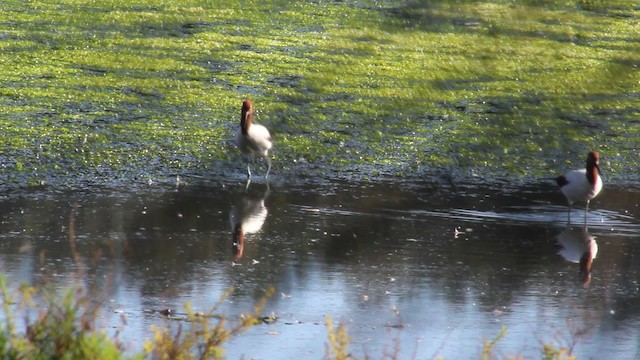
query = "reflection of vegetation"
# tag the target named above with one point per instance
(108, 91)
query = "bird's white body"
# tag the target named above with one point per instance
(249, 215)
(576, 243)
(580, 247)
(252, 139)
(578, 187)
(257, 141)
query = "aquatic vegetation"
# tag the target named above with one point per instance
(67, 327)
(113, 92)
(338, 346)
(488, 345)
(202, 339)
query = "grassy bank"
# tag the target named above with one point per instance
(112, 92)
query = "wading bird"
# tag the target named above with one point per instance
(583, 184)
(252, 139)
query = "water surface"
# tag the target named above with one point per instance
(419, 269)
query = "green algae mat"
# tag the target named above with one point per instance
(117, 92)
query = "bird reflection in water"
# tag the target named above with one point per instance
(578, 246)
(247, 216)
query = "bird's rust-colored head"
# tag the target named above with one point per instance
(593, 158)
(593, 166)
(246, 115)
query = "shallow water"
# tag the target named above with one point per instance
(422, 269)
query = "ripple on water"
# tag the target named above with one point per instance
(602, 220)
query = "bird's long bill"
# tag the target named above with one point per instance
(243, 117)
(598, 167)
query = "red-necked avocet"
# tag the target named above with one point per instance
(582, 185)
(252, 139)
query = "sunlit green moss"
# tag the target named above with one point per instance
(153, 88)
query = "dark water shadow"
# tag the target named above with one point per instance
(432, 16)
(423, 15)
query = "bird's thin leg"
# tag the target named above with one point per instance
(586, 210)
(248, 170)
(247, 185)
(268, 166)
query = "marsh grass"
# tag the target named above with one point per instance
(203, 338)
(337, 347)
(66, 327)
(112, 92)
(338, 343)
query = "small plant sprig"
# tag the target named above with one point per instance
(63, 329)
(338, 346)
(204, 338)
